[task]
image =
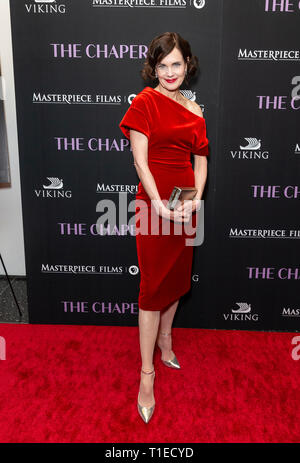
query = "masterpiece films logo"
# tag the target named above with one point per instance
(178, 4)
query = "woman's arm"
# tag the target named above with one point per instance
(200, 172)
(139, 145)
(200, 168)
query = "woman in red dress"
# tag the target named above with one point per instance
(164, 128)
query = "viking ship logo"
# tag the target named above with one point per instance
(45, 7)
(242, 314)
(189, 94)
(253, 144)
(55, 183)
(53, 191)
(243, 308)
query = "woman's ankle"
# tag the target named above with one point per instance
(147, 369)
(165, 334)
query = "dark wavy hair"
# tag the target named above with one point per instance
(160, 47)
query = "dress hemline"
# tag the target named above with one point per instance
(165, 306)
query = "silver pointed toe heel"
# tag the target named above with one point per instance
(173, 363)
(146, 412)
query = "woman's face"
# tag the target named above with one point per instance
(171, 70)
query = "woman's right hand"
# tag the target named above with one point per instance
(175, 216)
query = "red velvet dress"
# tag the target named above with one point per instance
(173, 133)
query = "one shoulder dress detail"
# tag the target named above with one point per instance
(173, 132)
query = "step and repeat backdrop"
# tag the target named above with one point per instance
(77, 68)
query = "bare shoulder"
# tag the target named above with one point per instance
(195, 108)
(192, 106)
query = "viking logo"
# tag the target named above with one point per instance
(242, 314)
(56, 183)
(253, 144)
(45, 7)
(189, 94)
(243, 308)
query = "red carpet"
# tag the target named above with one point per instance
(62, 383)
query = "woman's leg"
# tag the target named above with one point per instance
(166, 320)
(148, 328)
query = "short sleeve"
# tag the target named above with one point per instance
(202, 150)
(136, 118)
(201, 146)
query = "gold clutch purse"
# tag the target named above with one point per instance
(180, 194)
